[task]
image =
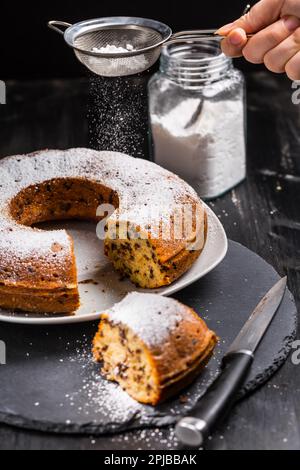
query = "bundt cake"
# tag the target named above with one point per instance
(152, 346)
(38, 269)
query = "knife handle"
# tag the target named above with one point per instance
(217, 402)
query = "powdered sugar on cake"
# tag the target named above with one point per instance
(140, 184)
(34, 244)
(150, 316)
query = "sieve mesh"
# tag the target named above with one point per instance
(138, 37)
(118, 64)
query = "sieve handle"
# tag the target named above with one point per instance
(55, 26)
(196, 35)
(199, 34)
(194, 32)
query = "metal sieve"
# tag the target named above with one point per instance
(145, 37)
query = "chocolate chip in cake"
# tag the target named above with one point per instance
(66, 206)
(68, 185)
(123, 335)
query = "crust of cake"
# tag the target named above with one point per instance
(72, 184)
(37, 301)
(185, 378)
(174, 363)
(53, 290)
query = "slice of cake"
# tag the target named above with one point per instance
(152, 346)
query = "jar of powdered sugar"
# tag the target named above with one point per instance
(197, 116)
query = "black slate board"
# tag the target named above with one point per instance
(51, 384)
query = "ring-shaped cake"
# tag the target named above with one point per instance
(142, 235)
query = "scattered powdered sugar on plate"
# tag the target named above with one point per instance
(85, 403)
(101, 396)
(108, 399)
(103, 405)
(146, 439)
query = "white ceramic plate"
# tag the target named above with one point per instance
(100, 286)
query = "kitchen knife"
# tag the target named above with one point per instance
(192, 431)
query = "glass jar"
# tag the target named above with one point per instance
(197, 117)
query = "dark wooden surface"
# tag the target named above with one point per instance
(263, 214)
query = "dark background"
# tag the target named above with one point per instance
(30, 50)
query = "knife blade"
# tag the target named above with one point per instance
(193, 430)
(254, 330)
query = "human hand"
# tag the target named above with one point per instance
(275, 25)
